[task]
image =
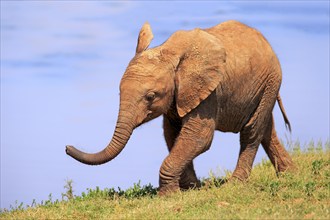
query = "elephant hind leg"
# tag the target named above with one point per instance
(250, 138)
(253, 132)
(249, 147)
(277, 154)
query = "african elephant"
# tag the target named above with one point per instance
(224, 78)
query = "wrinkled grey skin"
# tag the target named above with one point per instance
(224, 78)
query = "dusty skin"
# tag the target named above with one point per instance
(224, 78)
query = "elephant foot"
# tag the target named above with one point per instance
(240, 175)
(189, 183)
(188, 179)
(285, 165)
(235, 179)
(185, 184)
(168, 189)
(288, 168)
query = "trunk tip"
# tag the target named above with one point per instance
(69, 149)
(76, 154)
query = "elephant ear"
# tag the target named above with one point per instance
(199, 70)
(145, 37)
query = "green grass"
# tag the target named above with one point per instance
(304, 194)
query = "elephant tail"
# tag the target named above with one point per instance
(287, 122)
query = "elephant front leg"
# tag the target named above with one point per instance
(188, 179)
(172, 128)
(194, 138)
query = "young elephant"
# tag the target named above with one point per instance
(223, 78)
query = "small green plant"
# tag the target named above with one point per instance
(17, 206)
(316, 166)
(310, 188)
(319, 146)
(93, 193)
(215, 181)
(327, 145)
(311, 146)
(293, 146)
(33, 204)
(69, 190)
(274, 187)
(49, 201)
(137, 191)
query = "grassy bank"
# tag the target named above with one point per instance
(300, 195)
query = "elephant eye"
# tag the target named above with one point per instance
(150, 96)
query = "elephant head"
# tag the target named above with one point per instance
(180, 73)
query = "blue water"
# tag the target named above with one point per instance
(61, 64)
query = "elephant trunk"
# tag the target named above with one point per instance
(122, 133)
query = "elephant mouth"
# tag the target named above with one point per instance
(150, 116)
(138, 125)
